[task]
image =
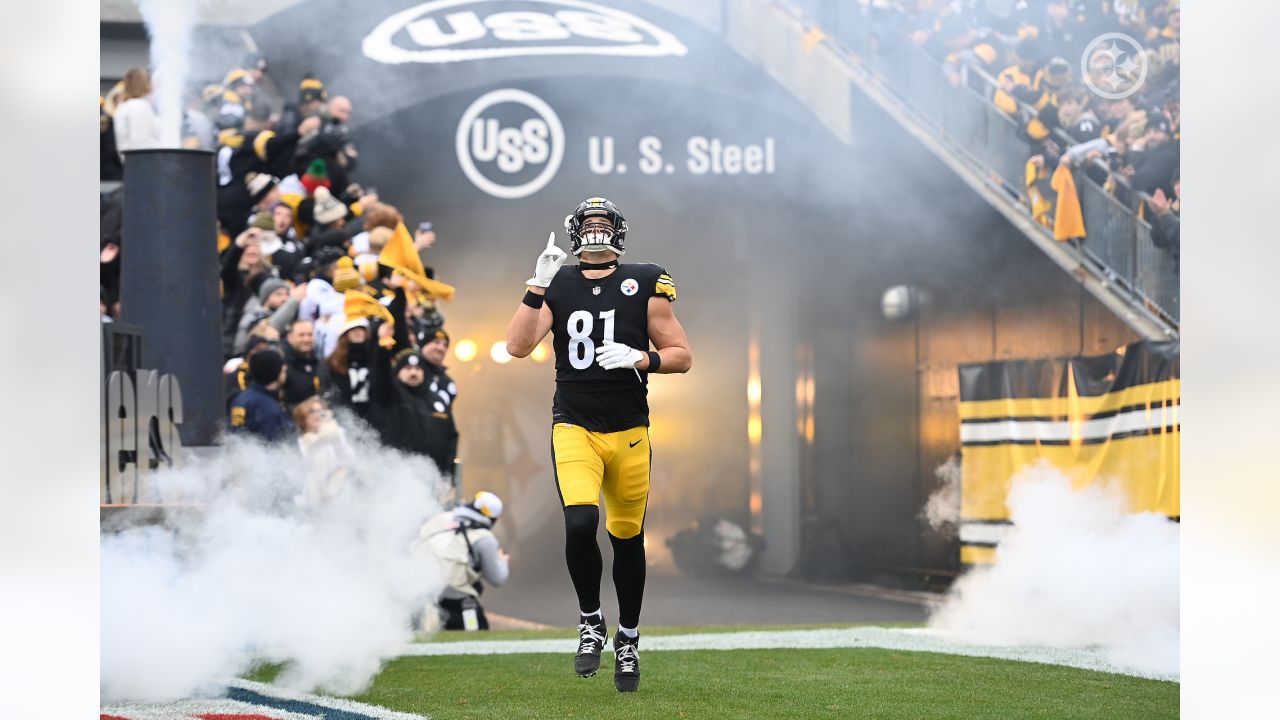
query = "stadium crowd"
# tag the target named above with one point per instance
(1026, 57)
(327, 301)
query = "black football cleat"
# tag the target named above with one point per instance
(626, 663)
(592, 635)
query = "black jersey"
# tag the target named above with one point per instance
(584, 314)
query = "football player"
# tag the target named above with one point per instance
(604, 317)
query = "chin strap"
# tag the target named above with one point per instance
(598, 266)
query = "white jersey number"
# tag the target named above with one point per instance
(582, 349)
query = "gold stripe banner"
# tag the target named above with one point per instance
(1110, 418)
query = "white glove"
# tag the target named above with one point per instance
(549, 263)
(616, 356)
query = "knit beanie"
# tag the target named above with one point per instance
(264, 366)
(408, 356)
(327, 209)
(345, 276)
(316, 176)
(263, 221)
(311, 90)
(269, 286)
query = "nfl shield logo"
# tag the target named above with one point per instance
(595, 290)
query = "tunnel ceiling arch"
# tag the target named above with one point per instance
(474, 101)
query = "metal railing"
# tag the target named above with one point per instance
(1118, 241)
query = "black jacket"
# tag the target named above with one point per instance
(352, 389)
(235, 292)
(405, 417)
(302, 379)
(255, 152)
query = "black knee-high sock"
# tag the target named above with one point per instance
(628, 577)
(582, 553)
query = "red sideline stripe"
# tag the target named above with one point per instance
(105, 716)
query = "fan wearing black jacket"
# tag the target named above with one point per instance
(401, 404)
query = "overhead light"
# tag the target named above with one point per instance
(465, 350)
(498, 351)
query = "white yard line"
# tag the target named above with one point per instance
(909, 639)
(194, 708)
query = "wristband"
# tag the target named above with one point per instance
(532, 299)
(655, 362)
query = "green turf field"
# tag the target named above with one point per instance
(828, 683)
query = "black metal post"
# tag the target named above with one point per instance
(169, 277)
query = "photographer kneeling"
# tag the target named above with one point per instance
(469, 554)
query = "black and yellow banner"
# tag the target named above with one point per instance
(1108, 418)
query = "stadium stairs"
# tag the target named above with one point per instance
(828, 67)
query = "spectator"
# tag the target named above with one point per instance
(272, 294)
(311, 98)
(322, 299)
(1165, 220)
(327, 457)
(302, 380)
(256, 411)
(197, 128)
(401, 405)
(243, 270)
(346, 371)
(462, 540)
(109, 165)
(236, 370)
(237, 99)
(329, 217)
(258, 150)
(1015, 81)
(331, 143)
(289, 257)
(135, 122)
(1153, 157)
(443, 391)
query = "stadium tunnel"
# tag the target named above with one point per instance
(809, 416)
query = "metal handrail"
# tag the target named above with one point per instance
(1119, 243)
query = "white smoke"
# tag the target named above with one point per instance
(942, 510)
(250, 576)
(169, 24)
(1075, 570)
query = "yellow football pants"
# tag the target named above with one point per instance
(587, 463)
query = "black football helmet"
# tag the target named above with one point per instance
(598, 238)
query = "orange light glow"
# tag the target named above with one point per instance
(498, 351)
(540, 353)
(465, 350)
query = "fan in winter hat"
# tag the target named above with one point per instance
(316, 176)
(265, 366)
(269, 286)
(311, 90)
(259, 184)
(345, 276)
(328, 209)
(268, 240)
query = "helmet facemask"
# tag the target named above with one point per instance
(596, 226)
(596, 235)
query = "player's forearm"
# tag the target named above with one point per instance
(522, 331)
(673, 359)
